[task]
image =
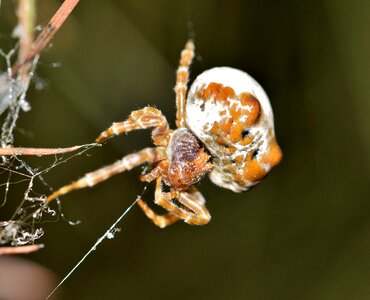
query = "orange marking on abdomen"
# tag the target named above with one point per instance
(254, 110)
(253, 170)
(274, 156)
(236, 131)
(218, 91)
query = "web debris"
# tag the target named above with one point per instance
(12, 97)
(109, 234)
(23, 227)
(21, 61)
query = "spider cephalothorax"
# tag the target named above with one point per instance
(224, 128)
(188, 161)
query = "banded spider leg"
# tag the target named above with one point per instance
(140, 119)
(128, 162)
(179, 160)
(194, 211)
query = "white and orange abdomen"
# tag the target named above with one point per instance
(231, 114)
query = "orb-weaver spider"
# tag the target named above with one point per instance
(224, 128)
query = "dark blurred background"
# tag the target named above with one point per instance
(303, 233)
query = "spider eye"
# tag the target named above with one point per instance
(255, 153)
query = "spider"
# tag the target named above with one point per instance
(224, 128)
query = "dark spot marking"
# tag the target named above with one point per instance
(255, 153)
(245, 133)
(202, 106)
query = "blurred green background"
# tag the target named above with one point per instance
(303, 233)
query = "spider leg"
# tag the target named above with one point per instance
(195, 213)
(164, 200)
(196, 203)
(140, 119)
(128, 162)
(198, 197)
(156, 172)
(181, 82)
(159, 220)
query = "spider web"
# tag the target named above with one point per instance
(109, 234)
(16, 174)
(24, 226)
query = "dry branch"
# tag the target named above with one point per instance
(20, 249)
(38, 151)
(47, 34)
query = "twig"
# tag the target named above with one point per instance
(20, 249)
(29, 53)
(26, 25)
(38, 151)
(47, 34)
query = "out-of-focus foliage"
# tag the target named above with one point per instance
(301, 234)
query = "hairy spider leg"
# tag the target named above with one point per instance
(195, 202)
(160, 169)
(141, 119)
(160, 220)
(181, 82)
(197, 213)
(128, 162)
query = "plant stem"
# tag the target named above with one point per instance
(47, 34)
(20, 249)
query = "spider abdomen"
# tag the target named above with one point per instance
(231, 114)
(188, 160)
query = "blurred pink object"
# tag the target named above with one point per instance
(22, 279)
